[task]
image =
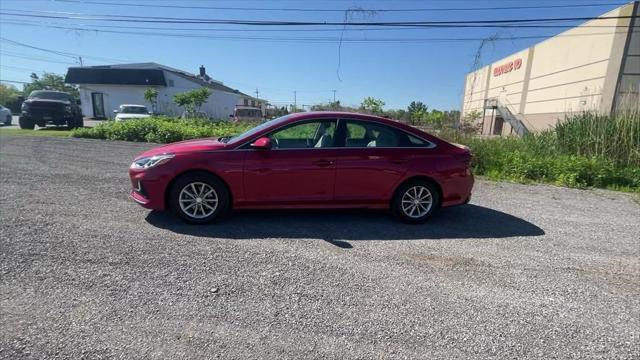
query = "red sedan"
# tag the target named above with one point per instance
(306, 160)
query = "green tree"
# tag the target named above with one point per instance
(435, 119)
(8, 94)
(418, 112)
(151, 95)
(192, 101)
(372, 105)
(49, 81)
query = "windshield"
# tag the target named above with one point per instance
(50, 95)
(258, 128)
(133, 110)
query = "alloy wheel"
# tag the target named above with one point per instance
(198, 200)
(417, 201)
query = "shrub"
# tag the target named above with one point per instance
(544, 157)
(161, 129)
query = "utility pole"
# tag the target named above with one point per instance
(80, 60)
(334, 95)
(295, 99)
(257, 94)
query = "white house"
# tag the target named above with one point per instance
(104, 88)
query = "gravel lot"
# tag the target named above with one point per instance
(521, 272)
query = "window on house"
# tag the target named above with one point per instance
(246, 102)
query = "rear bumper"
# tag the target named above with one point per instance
(457, 190)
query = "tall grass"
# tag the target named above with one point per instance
(585, 150)
(615, 137)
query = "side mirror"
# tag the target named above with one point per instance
(263, 143)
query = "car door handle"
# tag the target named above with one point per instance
(323, 162)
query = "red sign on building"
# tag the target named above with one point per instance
(508, 67)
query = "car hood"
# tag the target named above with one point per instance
(49, 101)
(187, 146)
(132, 116)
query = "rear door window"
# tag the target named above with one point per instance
(368, 134)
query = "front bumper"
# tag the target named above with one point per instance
(52, 118)
(147, 189)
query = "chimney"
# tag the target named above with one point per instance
(203, 71)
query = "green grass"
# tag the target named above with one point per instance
(585, 150)
(58, 132)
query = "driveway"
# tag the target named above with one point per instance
(521, 272)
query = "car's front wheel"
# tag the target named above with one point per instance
(26, 123)
(198, 197)
(414, 202)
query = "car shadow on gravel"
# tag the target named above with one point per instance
(462, 222)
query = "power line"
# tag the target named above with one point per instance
(431, 9)
(15, 81)
(61, 53)
(208, 29)
(20, 68)
(326, 39)
(173, 20)
(30, 57)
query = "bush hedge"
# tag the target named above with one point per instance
(161, 130)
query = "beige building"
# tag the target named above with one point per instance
(592, 67)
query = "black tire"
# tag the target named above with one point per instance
(26, 123)
(80, 122)
(414, 213)
(185, 182)
(7, 122)
(76, 122)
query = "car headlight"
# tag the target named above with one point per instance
(151, 161)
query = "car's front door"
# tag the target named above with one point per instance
(298, 170)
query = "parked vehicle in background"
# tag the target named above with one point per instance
(195, 115)
(44, 107)
(5, 116)
(306, 160)
(247, 113)
(130, 111)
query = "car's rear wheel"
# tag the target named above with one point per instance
(414, 202)
(7, 121)
(198, 197)
(26, 123)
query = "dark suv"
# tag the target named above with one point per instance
(44, 107)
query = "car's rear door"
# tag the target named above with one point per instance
(374, 158)
(299, 170)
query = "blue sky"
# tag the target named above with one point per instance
(396, 72)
